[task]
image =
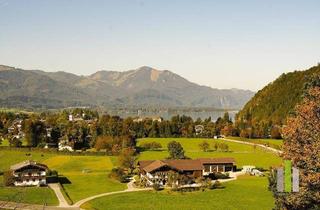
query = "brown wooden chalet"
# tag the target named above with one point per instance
(156, 171)
(29, 173)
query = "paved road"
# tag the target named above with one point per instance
(57, 190)
(258, 145)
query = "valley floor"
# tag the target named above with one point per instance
(86, 176)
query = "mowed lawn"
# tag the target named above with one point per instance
(275, 143)
(243, 154)
(87, 175)
(247, 193)
(34, 195)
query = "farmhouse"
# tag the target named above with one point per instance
(29, 173)
(157, 171)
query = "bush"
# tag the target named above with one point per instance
(218, 175)
(118, 174)
(216, 185)
(204, 146)
(8, 178)
(52, 173)
(151, 145)
(156, 186)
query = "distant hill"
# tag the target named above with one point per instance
(275, 101)
(141, 87)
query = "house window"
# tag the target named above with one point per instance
(220, 168)
(207, 168)
(214, 168)
(228, 168)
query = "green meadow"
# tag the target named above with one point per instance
(84, 175)
(247, 193)
(32, 195)
(243, 154)
(275, 143)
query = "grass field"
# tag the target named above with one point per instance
(82, 185)
(32, 195)
(6, 143)
(243, 154)
(275, 143)
(88, 174)
(247, 193)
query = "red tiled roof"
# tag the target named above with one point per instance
(155, 165)
(182, 165)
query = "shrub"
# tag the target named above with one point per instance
(8, 178)
(118, 174)
(216, 185)
(151, 145)
(156, 186)
(204, 146)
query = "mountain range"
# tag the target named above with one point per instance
(142, 87)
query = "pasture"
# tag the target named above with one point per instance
(247, 193)
(274, 143)
(243, 154)
(84, 175)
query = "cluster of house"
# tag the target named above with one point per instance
(153, 118)
(157, 171)
(31, 173)
(16, 129)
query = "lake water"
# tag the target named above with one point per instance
(168, 114)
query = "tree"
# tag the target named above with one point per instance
(175, 150)
(302, 146)
(204, 146)
(8, 178)
(118, 174)
(35, 132)
(127, 159)
(275, 132)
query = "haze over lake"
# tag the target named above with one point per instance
(168, 114)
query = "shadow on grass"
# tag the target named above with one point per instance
(142, 149)
(64, 180)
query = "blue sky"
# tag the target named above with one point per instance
(224, 44)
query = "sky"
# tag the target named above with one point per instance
(223, 44)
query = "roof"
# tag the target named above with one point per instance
(155, 165)
(216, 160)
(27, 163)
(182, 165)
(186, 165)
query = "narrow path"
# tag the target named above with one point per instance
(57, 190)
(130, 186)
(249, 143)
